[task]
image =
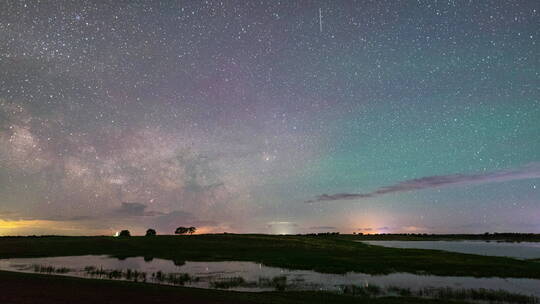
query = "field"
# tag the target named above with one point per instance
(332, 254)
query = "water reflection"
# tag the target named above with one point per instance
(249, 276)
(522, 250)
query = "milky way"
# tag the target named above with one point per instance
(230, 115)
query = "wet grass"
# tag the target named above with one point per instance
(67, 290)
(140, 276)
(172, 278)
(364, 291)
(491, 296)
(227, 283)
(331, 254)
(443, 293)
(116, 274)
(50, 269)
(278, 283)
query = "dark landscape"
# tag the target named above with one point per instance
(326, 253)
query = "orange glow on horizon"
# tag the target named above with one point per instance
(43, 227)
(7, 224)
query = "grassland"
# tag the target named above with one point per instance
(333, 254)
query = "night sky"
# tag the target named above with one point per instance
(271, 117)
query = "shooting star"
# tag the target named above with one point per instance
(320, 19)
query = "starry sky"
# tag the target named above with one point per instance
(269, 116)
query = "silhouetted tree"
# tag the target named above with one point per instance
(150, 232)
(192, 230)
(124, 233)
(181, 230)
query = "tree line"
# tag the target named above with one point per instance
(152, 232)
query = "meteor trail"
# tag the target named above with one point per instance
(320, 19)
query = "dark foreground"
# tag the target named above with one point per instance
(331, 254)
(336, 254)
(19, 288)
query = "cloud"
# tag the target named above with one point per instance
(323, 228)
(529, 171)
(134, 209)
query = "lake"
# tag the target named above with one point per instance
(522, 250)
(249, 276)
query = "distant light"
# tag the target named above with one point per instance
(117, 233)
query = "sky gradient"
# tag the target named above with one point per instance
(269, 116)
